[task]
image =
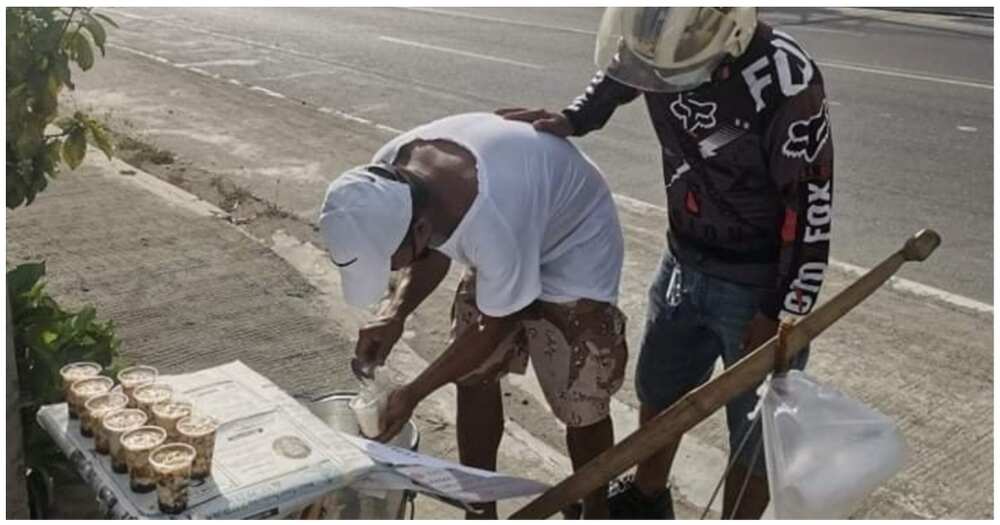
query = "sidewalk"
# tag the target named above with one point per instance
(188, 290)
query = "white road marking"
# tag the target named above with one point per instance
(623, 200)
(903, 74)
(485, 18)
(826, 63)
(922, 290)
(267, 92)
(458, 52)
(224, 62)
(566, 29)
(967, 129)
(198, 70)
(300, 75)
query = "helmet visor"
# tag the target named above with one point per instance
(663, 48)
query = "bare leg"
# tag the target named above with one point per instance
(585, 444)
(651, 476)
(479, 427)
(755, 496)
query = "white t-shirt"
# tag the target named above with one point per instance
(544, 224)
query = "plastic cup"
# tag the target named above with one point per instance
(368, 409)
(81, 392)
(168, 413)
(172, 468)
(115, 424)
(199, 432)
(138, 443)
(146, 396)
(74, 372)
(94, 411)
(135, 376)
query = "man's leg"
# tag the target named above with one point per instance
(585, 444)
(579, 353)
(746, 492)
(479, 421)
(651, 475)
(677, 354)
(479, 428)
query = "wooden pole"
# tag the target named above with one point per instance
(672, 423)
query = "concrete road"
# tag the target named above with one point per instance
(282, 100)
(912, 99)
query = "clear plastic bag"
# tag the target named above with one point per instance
(825, 451)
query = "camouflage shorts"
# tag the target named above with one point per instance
(578, 351)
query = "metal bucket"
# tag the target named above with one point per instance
(347, 503)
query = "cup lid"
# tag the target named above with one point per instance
(105, 401)
(197, 425)
(144, 437)
(153, 392)
(172, 408)
(123, 419)
(92, 385)
(172, 455)
(81, 369)
(137, 373)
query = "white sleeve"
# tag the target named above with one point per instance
(508, 273)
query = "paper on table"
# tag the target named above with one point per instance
(471, 487)
(451, 480)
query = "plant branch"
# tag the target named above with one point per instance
(69, 18)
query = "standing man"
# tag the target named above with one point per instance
(741, 116)
(533, 221)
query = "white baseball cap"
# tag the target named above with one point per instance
(363, 222)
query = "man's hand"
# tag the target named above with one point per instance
(376, 340)
(542, 120)
(758, 331)
(398, 410)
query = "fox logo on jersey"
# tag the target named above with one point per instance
(807, 137)
(693, 114)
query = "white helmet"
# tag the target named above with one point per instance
(670, 48)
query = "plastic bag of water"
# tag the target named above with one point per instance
(825, 452)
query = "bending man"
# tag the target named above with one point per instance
(533, 222)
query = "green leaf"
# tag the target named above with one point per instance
(107, 19)
(96, 30)
(23, 278)
(48, 337)
(75, 148)
(100, 136)
(84, 53)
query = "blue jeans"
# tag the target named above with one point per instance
(684, 338)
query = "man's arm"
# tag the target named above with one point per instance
(594, 107)
(588, 112)
(466, 353)
(376, 339)
(800, 154)
(801, 164)
(416, 284)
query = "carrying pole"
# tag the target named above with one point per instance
(700, 403)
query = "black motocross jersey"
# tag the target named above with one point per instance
(748, 168)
